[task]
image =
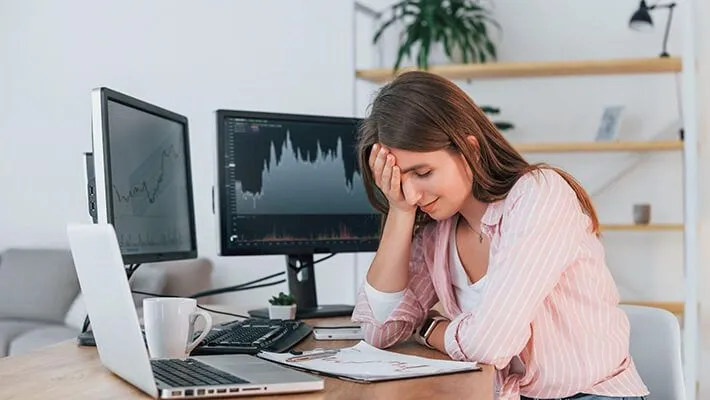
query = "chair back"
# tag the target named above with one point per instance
(655, 346)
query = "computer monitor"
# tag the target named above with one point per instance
(291, 185)
(139, 177)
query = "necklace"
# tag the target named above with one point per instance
(480, 235)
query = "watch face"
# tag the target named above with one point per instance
(425, 326)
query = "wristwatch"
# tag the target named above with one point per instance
(428, 328)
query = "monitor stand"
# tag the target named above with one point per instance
(302, 285)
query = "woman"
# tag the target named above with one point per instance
(510, 250)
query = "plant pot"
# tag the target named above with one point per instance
(282, 312)
(642, 213)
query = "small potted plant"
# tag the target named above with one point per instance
(282, 306)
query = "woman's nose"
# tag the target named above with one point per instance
(412, 194)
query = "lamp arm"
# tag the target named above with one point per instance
(667, 5)
(668, 27)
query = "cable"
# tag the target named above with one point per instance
(241, 289)
(679, 102)
(242, 286)
(226, 313)
(236, 287)
(231, 290)
(198, 305)
(298, 269)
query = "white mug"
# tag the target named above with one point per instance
(169, 324)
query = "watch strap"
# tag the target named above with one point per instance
(432, 323)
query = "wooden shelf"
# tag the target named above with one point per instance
(536, 69)
(649, 227)
(675, 307)
(562, 147)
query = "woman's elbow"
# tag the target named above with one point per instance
(486, 346)
(386, 335)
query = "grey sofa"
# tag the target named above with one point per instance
(41, 303)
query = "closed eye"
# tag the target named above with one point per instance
(423, 174)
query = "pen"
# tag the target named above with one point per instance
(313, 356)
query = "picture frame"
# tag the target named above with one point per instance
(610, 123)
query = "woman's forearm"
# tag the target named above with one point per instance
(389, 271)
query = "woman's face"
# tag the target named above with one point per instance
(439, 182)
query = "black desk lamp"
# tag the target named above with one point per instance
(641, 20)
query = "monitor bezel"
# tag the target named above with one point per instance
(102, 157)
(220, 198)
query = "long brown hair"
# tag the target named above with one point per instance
(423, 112)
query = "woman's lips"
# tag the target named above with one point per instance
(427, 208)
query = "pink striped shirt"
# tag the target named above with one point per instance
(550, 300)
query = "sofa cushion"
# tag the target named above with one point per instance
(37, 284)
(186, 277)
(11, 329)
(149, 280)
(76, 314)
(40, 337)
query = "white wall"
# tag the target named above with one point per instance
(703, 96)
(189, 56)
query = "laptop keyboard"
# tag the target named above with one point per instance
(189, 372)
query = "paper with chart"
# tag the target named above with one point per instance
(367, 363)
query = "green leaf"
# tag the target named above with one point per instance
(457, 43)
(423, 61)
(491, 49)
(479, 38)
(466, 40)
(491, 21)
(490, 109)
(282, 299)
(406, 47)
(472, 7)
(455, 35)
(447, 45)
(479, 27)
(504, 126)
(382, 28)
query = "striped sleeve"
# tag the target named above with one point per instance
(418, 298)
(540, 235)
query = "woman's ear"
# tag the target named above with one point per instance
(476, 149)
(474, 142)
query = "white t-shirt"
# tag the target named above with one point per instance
(468, 294)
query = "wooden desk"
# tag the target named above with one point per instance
(68, 371)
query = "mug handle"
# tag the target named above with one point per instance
(208, 327)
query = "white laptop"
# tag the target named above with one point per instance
(122, 349)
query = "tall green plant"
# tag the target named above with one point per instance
(457, 24)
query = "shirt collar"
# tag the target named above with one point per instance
(493, 214)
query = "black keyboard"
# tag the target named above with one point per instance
(253, 335)
(189, 372)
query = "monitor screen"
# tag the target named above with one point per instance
(291, 184)
(141, 152)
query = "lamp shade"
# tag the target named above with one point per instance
(641, 19)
